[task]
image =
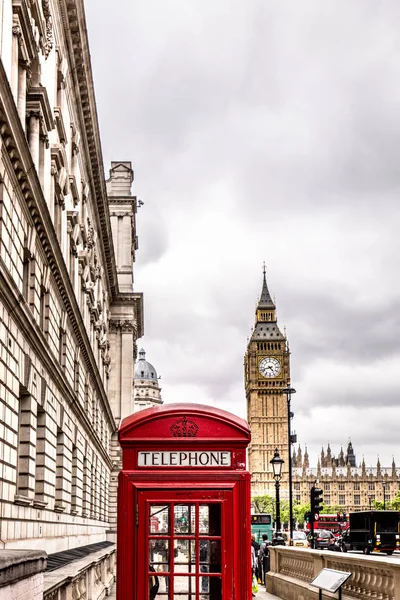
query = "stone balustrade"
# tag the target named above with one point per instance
(292, 569)
(88, 578)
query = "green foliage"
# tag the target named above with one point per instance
(331, 509)
(395, 503)
(264, 504)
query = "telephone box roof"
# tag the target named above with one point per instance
(145, 417)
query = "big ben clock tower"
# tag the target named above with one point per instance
(267, 373)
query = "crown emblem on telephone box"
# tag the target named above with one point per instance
(184, 428)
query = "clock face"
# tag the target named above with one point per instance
(269, 367)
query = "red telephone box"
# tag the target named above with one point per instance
(184, 505)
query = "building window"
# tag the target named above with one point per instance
(26, 444)
(357, 501)
(357, 486)
(342, 500)
(371, 487)
(86, 488)
(341, 487)
(327, 499)
(76, 483)
(327, 487)
(296, 486)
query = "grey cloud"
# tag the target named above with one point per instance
(289, 111)
(344, 330)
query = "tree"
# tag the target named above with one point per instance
(395, 503)
(264, 504)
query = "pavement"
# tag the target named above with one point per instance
(261, 595)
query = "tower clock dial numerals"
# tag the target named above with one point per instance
(269, 367)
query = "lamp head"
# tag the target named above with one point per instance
(288, 390)
(277, 463)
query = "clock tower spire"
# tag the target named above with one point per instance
(267, 373)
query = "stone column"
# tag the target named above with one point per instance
(21, 102)
(34, 136)
(14, 60)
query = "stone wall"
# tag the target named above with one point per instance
(292, 570)
(21, 574)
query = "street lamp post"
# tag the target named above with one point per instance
(384, 484)
(277, 463)
(291, 439)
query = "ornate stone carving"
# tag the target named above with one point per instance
(122, 325)
(91, 240)
(48, 41)
(16, 30)
(184, 428)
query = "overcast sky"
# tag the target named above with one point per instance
(264, 130)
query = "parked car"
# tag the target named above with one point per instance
(299, 539)
(324, 540)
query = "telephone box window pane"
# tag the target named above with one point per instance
(214, 589)
(184, 586)
(204, 555)
(158, 587)
(184, 519)
(159, 554)
(205, 585)
(215, 556)
(159, 520)
(184, 556)
(210, 519)
(203, 519)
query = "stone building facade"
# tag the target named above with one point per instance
(147, 392)
(69, 318)
(343, 483)
(267, 373)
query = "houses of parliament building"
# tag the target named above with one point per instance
(267, 374)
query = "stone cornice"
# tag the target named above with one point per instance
(18, 151)
(74, 23)
(136, 300)
(123, 200)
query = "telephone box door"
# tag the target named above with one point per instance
(185, 545)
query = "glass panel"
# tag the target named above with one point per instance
(159, 520)
(210, 519)
(205, 552)
(215, 556)
(215, 519)
(158, 587)
(203, 519)
(205, 585)
(159, 553)
(184, 585)
(184, 519)
(184, 556)
(214, 589)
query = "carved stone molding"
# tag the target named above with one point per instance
(48, 37)
(125, 326)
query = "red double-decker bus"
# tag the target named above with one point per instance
(337, 522)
